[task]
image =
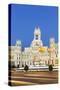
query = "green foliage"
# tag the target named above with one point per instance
(18, 66)
(26, 68)
(50, 67)
(22, 65)
(13, 66)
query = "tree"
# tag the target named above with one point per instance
(22, 65)
(50, 67)
(18, 66)
(13, 66)
(26, 68)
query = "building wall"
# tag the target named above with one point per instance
(36, 54)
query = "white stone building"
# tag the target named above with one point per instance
(36, 54)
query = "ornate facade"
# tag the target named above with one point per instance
(36, 54)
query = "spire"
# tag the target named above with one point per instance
(37, 30)
(37, 27)
(18, 43)
(37, 33)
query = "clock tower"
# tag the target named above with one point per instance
(37, 38)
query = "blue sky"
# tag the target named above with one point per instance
(24, 19)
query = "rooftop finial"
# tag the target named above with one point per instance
(37, 26)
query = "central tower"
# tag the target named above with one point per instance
(37, 33)
(37, 38)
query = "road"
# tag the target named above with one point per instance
(33, 78)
